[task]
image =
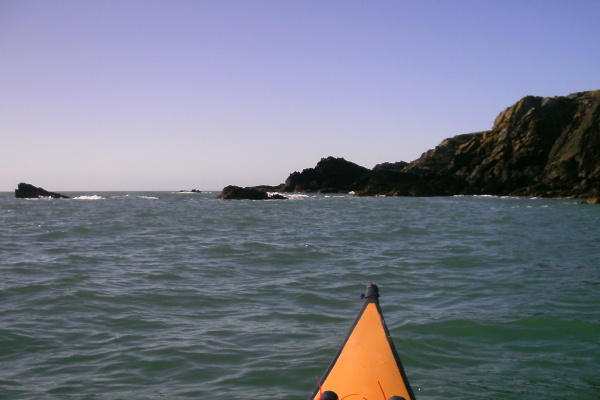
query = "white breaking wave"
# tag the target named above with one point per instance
(92, 197)
(292, 196)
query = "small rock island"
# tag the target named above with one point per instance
(249, 193)
(28, 191)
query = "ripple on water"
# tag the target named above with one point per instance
(159, 295)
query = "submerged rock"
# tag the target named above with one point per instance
(27, 191)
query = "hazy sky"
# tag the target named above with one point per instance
(169, 95)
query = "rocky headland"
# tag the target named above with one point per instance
(28, 191)
(539, 147)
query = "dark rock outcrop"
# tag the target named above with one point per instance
(248, 193)
(269, 188)
(331, 175)
(547, 147)
(430, 175)
(539, 147)
(27, 191)
(394, 167)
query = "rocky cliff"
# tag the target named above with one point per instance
(539, 147)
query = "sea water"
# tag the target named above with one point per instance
(182, 296)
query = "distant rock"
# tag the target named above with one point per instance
(592, 200)
(248, 193)
(27, 191)
(239, 193)
(190, 191)
(331, 175)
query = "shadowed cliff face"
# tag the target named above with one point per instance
(538, 147)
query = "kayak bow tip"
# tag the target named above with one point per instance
(372, 292)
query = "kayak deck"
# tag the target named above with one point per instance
(367, 366)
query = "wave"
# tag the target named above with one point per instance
(92, 197)
(302, 196)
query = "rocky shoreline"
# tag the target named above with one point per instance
(539, 147)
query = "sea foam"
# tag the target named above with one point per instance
(92, 197)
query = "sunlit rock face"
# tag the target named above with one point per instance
(546, 147)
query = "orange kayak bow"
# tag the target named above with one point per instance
(367, 367)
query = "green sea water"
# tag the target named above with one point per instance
(181, 296)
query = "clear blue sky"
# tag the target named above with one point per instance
(169, 95)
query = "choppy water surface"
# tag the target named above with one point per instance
(181, 296)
